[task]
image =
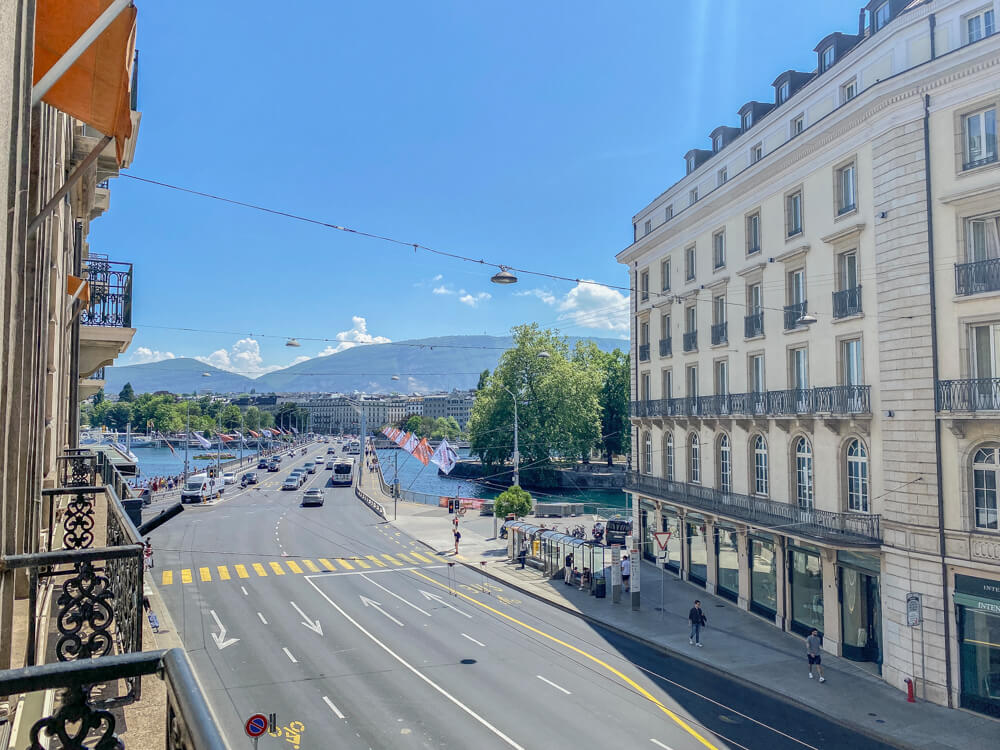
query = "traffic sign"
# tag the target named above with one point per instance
(662, 538)
(256, 725)
(914, 610)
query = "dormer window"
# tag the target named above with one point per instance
(690, 164)
(717, 144)
(783, 93)
(881, 15)
(826, 61)
(747, 120)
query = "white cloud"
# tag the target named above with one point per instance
(144, 355)
(437, 278)
(442, 290)
(243, 357)
(473, 300)
(545, 296)
(356, 335)
(597, 307)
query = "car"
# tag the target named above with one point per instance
(331, 451)
(310, 467)
(312, 496)
(320, 460)
(251, 477)
(229, 477)
(262, 464)
(299, 476)
(329, 464)
(291, 483)
(274, 466)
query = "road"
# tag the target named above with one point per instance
(359, 637)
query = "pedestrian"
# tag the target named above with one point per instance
(458, 537)
(454, 522)
(814, 644)
(626, 571)
(147, 554)
(698, 620)
(522, 553)
(568, 576)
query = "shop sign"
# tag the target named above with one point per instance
(979, 593)
(914, 610)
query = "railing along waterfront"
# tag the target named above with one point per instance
(856, 528)
(847, 302)
(79, 723)
(110, 293)
(977, 394)
(978, 276)
(835, 399)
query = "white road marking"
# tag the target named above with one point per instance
(370, 572)
(390, 593)
(220, 638)
(289, 655)
(474, 640)
(262, 618)
(333, 708)
(313, 625)
(244, 590)
(415, 671)
(375, 605)
(550, 682)
(660, 744)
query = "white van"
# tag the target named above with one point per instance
(199, 488)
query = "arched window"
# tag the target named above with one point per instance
(725, 464)
(668, 457)
(985, 473)
(647, 454)
(803, 473)
(857, 477)
(694, 453)
(760, 475)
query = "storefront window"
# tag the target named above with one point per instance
(763, 576)
(697, 552)
(648, 541)
(727, 557)
(860, 606)
(978, 601)
(670, 522)
(807, 590)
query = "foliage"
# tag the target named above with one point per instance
(126, 393)
(612, 370)
(558, 409)
(99, 396)
(435, 429)
(512, 500)
(164, 412)
(484, 377)
(412, 424)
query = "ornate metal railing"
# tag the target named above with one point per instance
(753, 325)
(79, 723)
(690, 341)
(835, 399)
(720, 333)
(644, 352)
(976, 277)
(666, 347)
(792, 314)
(979, 394)
(988, 159)
(97, 374)
(847, 302)
(860, 529)
(110, 293)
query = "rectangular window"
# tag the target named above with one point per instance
(783, 92)
(644, 285)
(692, 381)
(690, 164)
(665, 326)
(665, 275)
(798, 125)
(847, 270)
(644, 386)
(667, 384)
(755, 299)
(846, 189)
(719, 249)
(721, 378)
(881, 16)
(717, 144)
(644, 333)
(982, 239)
(848, 91)
(793, 214)
(691, 319)
(693, 196)
(753, 233)
(796, 287)
(826, 61)
(980, 137)
(979, 26)
(647, 227)
(719, 309)
(689, 263)
(668, 212)
(722, 176)
(850, 362)
(746, 121)
(755, 376)
(756, 153)
(986, 354)
(798, 368)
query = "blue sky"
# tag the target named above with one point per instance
(527, 133)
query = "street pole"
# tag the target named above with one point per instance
(517, 455)
(243, 431)
(187, 440)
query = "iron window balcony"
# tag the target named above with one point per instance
(847, 302)
(720, 333)
(988, 159)
(792, 314)
(846, 400)
(110, 293)
(644, 352)
(666, 347)
(971, 395)
(978, 276)
(753, 325)
(691, 341)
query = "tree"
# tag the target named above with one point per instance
(512, 500)
(616, 430)
(484, 378)
(231, 417)
(99, 397)
(413, 424)
(251, 418)
(126, 393)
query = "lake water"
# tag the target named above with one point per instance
(160, 462)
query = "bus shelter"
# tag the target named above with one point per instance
(548, 549)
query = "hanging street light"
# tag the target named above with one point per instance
(503, 276)
(292, 342)
(805, 319)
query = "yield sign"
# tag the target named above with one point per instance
(662, 537)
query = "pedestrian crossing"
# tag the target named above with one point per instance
(296, 566)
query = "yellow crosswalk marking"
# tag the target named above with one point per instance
(311, 565)
(224, 573)
(407, 559)
(392, 559)
(376, 560)
(293, 566)
(205, 573)
(186, 575)
(359, 561)
(327, 564)
(241, 571)
(168, 577)
(421, 557)
(344, 564)
(278, 570)
(259, 570)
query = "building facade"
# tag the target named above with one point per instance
(816, 352)
(457, 404)
(339, 414)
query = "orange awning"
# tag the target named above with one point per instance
(95, 89)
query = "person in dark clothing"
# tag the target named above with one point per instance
(698, 620)
(522, 553)
(568, 572)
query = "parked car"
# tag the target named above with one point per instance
(312, 496)
(229, 477)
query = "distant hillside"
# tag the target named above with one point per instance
(423, 366)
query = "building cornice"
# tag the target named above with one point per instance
(794, 254)
(844, 233)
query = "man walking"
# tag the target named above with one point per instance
(814, 644)
(522, 553)
(698, 620)
(568, 574)
(626, 570)
(458, 537)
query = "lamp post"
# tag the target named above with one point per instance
(517, 456)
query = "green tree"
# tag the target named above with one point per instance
(484, 378)
(231, 417)
(251, 418)
(413, 424)
(119, 416)
(99, 397)
(266, 419)
(616, 430)
(445, 427)
(126, 393)
(512, 500)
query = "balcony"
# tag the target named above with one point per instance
(847, 302)
(666, 348)
(980, 276)
(792, 314)
(753, 325)
(91, 384)
(644, 352)
(720, 333)
(836, 400)
(980, 394)
(106, 324)
(848, 529)
(988, 159)
(691, 341)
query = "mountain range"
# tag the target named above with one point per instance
(427, 365)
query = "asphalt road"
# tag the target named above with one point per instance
(358, 637)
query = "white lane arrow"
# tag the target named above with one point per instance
(220, 638)
(375, 605)
(439, 600)
(311, 624)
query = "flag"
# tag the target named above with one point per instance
(401, 438)
(411, 443)
(422, 452)
(201, 440)
(225, 438)
(294, 430)
(255, 434)
(445, 457)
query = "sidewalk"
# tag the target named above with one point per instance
(737, 643)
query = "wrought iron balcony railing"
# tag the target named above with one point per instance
(979, 394)
(753, 325)
(976, 277)
(860, 529)
(792, 314)
(644, 352)
(833, 400)
(720, 333)
(988, 159)
(847, 302)
(110, 293)
(666, 347)
(97, 374)
(690, 341)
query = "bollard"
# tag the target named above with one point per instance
(909, 691)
